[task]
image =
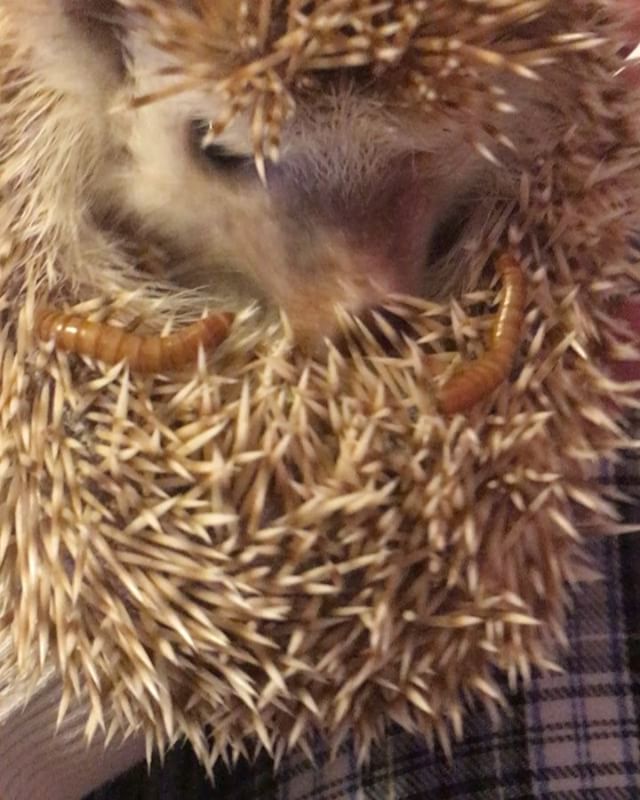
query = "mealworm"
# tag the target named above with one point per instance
(146, 354)
(476, 379)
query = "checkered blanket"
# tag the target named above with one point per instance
(573, 736)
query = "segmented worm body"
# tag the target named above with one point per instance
(476, 379)
(146, 354)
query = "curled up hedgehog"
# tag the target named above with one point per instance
(307, 310)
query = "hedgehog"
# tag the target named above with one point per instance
(289, 536)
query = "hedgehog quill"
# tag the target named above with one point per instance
(291, 537)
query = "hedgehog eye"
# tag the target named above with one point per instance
(221, 158)
(217, 155)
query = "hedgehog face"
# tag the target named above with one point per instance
(369, 197)
(350, 213)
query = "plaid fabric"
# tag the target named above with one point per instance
(569, 737)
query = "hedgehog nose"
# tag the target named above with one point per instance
(369, 275)
(351, 244)
(346, 277)
(381, 227)
(388, 236)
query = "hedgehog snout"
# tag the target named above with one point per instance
(363, 242)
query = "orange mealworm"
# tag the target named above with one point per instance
(145, 354)
(477, 379)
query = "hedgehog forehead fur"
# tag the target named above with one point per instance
(278, 544)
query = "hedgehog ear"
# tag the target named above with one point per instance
(98, 20)
(60, 14)
(71, 40)
(89, 8)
